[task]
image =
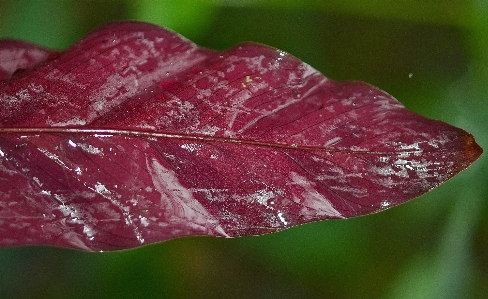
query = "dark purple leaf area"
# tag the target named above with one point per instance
(135, 135)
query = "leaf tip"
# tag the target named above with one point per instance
(472, 150)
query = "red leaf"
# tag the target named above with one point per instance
(135, 135)
(17, 55)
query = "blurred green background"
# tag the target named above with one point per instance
(431, 55)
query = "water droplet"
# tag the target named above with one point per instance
(282, 218)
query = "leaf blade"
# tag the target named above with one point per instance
(174, 140)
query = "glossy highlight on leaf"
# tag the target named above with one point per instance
(135, 135)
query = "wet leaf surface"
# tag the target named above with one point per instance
(135, 135)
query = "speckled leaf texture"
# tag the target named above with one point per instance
(135, 135)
